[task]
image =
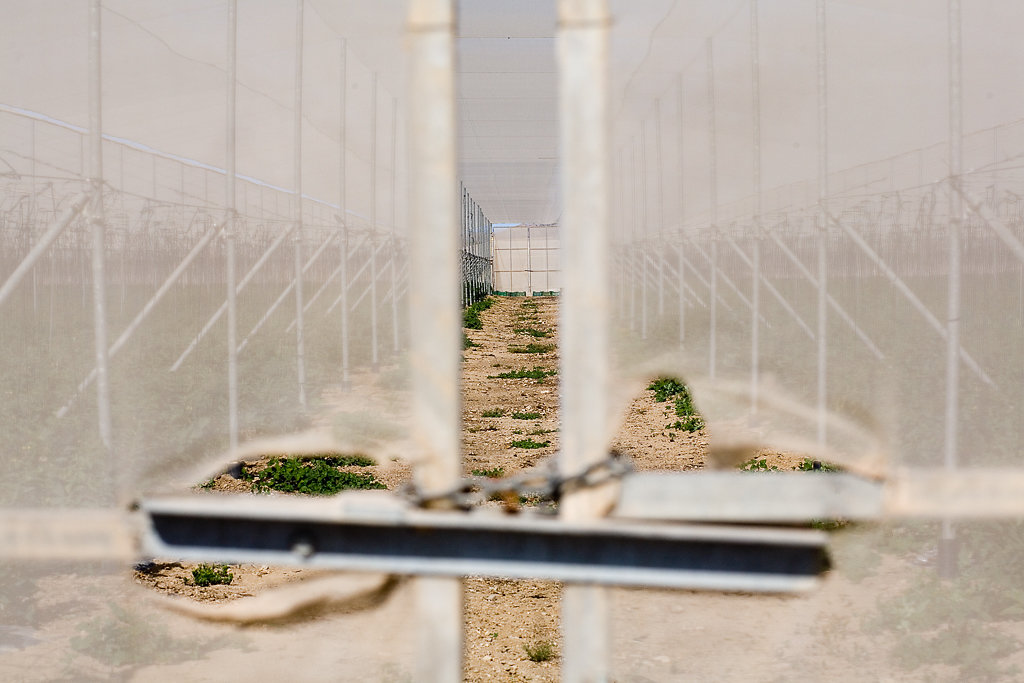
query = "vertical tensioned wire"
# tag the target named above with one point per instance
(229, 225)
(948, 561)
(635, 234)
(822, 90)
(680, 256)
(434, 329)
(97, 221)
(713, 209)
(583, 47)
(346, 381)
(755, 279)
(300, 341)
(644, 241)
(374, 341)
(660, 194)
(394, 225)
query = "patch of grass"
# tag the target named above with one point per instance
(690, 423)
(486, 428)
(540, 651)
(533, 332)
(467, 343)
(523, 373)
(318, 477)
(471, 316)
(493, 412)
(539, 432)
(490, 473)
(529, 443)
(211, 575)
(525, 416)
(532, 347)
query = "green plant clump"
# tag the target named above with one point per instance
(665, 388)
(757, 465)
(812, 465)
(490, 472)
(523, 373)
(532, 347)
(467, 343)
(541, 651)
(471, 316)
(319, 477)
(529, 443)
(211, 575)
(533, 332)
(525, 416)
(690, 423)
(493, 412)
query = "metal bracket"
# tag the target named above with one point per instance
(370, 532)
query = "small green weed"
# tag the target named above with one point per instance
(467, 343)
(665, 388)
(490, 473)
(532, 347)
(319, 477)
(533, 332)
(211, 575)
(757, 465)
(525, 416)
(540, 651)
(812, 465)
(523, 373)
(690, 423)
(493, 412)
(539, 432)
(486, 428)
(529, 443)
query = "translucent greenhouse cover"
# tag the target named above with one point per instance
(816, 221)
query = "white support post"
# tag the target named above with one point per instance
(346, 381)
(645, 228)
(434, 328)
(583, 45)
(300, 328)
(96, 219)
(660, 194)
(713, 209)
(394, 225)
(229, 225)
(755, 268)
(947, 543)
(374, 341)
(823, 225)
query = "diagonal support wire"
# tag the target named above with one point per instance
(831, 300)
(908, 293)
(224, 306)
(40, 247)
(330, 279)
(992, 221)
(729, 282)
(291, 287)
(771, 288)
(146, 310)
